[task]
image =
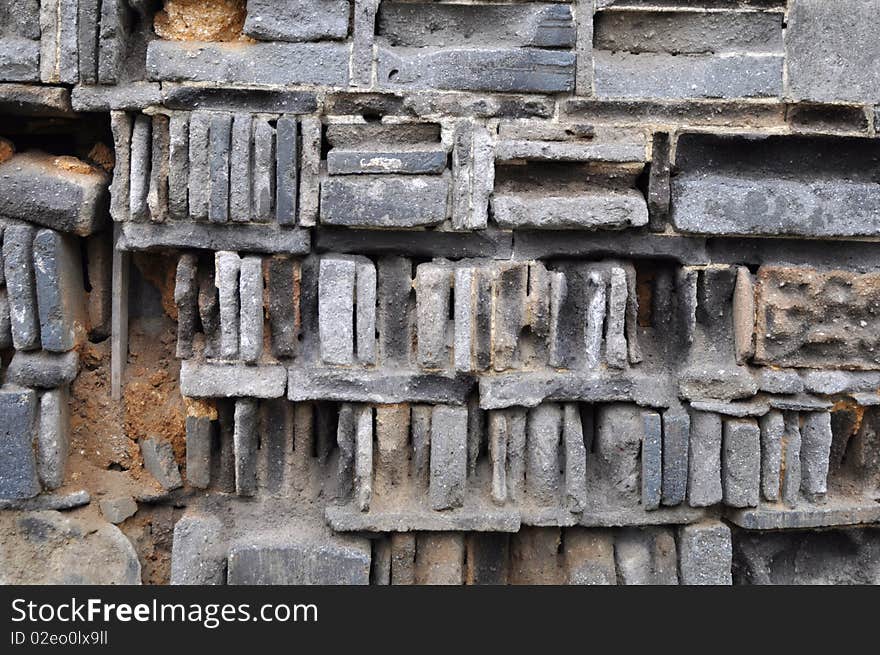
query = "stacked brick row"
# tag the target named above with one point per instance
(565, 292)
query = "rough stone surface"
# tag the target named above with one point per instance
(811, 318)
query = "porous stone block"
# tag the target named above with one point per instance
(816, 437)
(705, 554)
(813, 318)
(198, 554)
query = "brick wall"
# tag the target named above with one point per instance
(372, 291)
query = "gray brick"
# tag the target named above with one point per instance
(198, 555)
(645, 557)
(325, 563)
(381, 386)
(345, 440)
(660, 75)
(246, 440)
(35, 187)
(363, 39)
(420, 422)
(287, 147)
(297, 20)
(49, 55)
(89, 15)
(220, 134)
(600, 209)
(240, 168)
(53, 437)
(19, 60)
(772, 431)
(575, 454)
(121, 126)
(18, 467)
(59, 290)
(5, 321)
(791, 456)
(199, 171)
(429, 24)
(263, 184)
(652, 460)
(815, 449)
(705, 554)
(448, 457)
(776, 185)
(741, 462)
(255, 63)
(141, 152)
(42, 369)
(310, 167)
(542, 454)
(20, 285)
(704, 462)
(227, 267)
(509, 291)
(433, 284)
(283, 288)
(589, 557)
(365, 315)
(231, 380)
(99, 261)
(363, 456)
(159, 462)
(417, 160)
(336, 291)
(489, 69)
(473, 174)
(688, 32)
(157, 194)
(498, 455)
(615, 338)
(251, 324)
(186, 293)
(113, 40)
(831, 49)
(209, 309)
(464, 313)
(237, 99)
(384, 200)
(198, 451)
(676, 443)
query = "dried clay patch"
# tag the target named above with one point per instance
(201, 20)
